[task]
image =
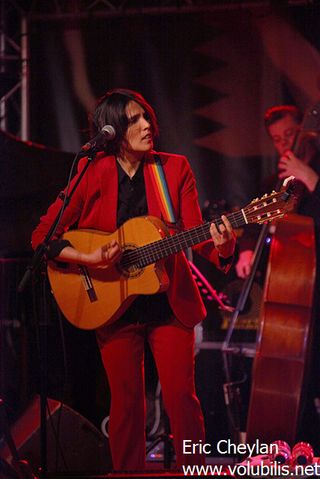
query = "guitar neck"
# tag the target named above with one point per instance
(163, 248)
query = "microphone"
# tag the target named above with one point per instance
(107, 133)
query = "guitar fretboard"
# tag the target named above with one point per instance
(163, 248)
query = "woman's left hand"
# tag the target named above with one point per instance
(223, 237)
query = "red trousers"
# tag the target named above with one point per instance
(122, 354)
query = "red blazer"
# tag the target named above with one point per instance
(94, 205)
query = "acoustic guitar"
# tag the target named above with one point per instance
(91, 297)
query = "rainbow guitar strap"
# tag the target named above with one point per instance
(162, 191)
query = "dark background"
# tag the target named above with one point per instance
(210, 75)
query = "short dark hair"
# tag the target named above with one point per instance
(111, 110)
(278, 112)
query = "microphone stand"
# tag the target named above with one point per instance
(37, 265)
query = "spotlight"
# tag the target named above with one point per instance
(282, 455)
(302, 454)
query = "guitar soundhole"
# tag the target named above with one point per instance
(129, 264)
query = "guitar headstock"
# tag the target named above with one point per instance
(274, 205)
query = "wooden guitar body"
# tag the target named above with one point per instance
(90, 297)
(281, 361)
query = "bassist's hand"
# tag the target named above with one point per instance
(223, 237)
(244, 263)
(290, 165)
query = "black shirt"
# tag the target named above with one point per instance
(132, 202)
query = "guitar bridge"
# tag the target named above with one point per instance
(87, 283)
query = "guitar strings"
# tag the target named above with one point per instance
(150, 252)
(181, 240)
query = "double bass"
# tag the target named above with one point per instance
(282, 359)
(284, 341)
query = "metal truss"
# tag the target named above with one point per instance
(14, 108)
(16, 16)
(62, 9)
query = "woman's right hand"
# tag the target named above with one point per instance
(102, 257)
(105, 256)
